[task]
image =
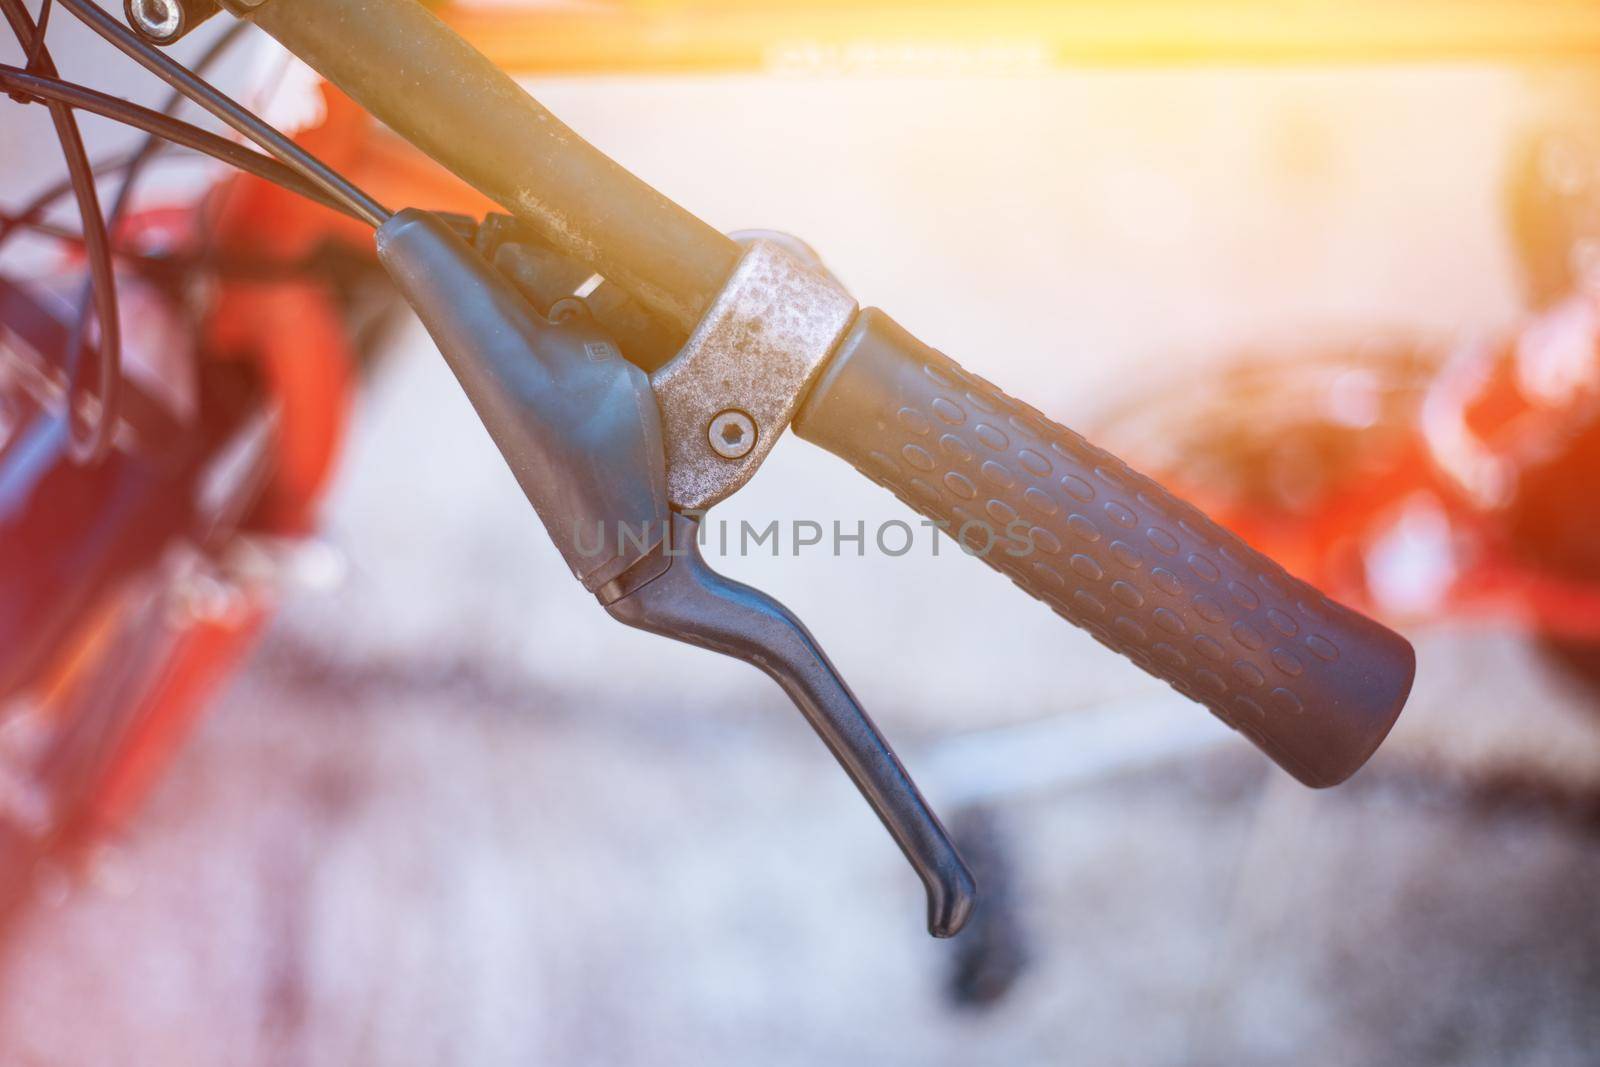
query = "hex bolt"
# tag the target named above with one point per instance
(732, 434)
(163, 22)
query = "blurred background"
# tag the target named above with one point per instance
(1329, 274)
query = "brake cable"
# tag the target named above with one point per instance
(243, 121)
(94, 446)
(175, 130)
(287, 165)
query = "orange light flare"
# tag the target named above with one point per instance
(888, 35)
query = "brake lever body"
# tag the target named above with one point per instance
(582, 432)
(574, 420)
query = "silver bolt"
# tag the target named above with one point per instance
(732, 434)
(159, 20)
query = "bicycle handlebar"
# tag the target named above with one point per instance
(418, 77)
(1313, 684)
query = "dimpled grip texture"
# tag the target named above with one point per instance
(1315, 685)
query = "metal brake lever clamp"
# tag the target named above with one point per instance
(731, 391)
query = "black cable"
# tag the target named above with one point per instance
(32, 212)
(56, 91)
(245, 268)
(153, 142)
(227, 109)
(90, 448)
(48, 229)
(67, 235)
(37, 47)
(295, 169)
(119, 206)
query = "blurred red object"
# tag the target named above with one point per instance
(1419, 484)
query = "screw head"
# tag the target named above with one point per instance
(160, 21)
(732, 434)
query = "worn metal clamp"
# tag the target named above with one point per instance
(728, 394)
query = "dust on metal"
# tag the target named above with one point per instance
(758, 347)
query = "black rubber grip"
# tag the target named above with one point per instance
(1315, 685)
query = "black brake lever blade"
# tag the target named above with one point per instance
(675, 594)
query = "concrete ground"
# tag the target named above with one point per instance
(423, 863)
(452, 814)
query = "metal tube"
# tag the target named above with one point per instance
(437, 91)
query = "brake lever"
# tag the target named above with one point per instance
(688, 601)
(581, 429)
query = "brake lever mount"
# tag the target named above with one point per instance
(582, 430)
(731, 391)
